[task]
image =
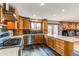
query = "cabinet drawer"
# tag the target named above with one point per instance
(60, 45)
(60, 51)
(60, 41)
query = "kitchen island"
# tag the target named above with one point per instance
(63, 45)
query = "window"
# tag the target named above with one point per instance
(35, 26)
(50, 29)
(53, 29)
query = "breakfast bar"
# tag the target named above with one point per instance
(62, 44)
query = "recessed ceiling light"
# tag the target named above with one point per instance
(42, 4)
(54, 15)
(63, 10)
(34, 15)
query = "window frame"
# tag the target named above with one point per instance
(36, 27)
(52, 28)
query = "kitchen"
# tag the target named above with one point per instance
(38, 35)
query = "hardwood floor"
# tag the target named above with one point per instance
(76, 49)
(38, 50)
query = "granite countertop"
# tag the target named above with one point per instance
(20, 36)
(33, 34)
(11, 51)
(65, 38)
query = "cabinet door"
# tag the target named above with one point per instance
(10, 24)
(60, 51)
(53, 43)
(20, 24)
(35, 39)
(50, 42)
(38, 39)
(25, 38)
(59, 46)
(41, 39)
(47, 40)
(45, 26)
(26, 24)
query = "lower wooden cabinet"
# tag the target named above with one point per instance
(59, 46)
(69, 48)
(50, 41)
(60, 51)
(38, 39)
(46, 40)
(53, 43)
(25, 42)
(62, 47)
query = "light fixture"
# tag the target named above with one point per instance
(42, 4)
(15, 16)
(63, 10)
(34, 15)
(54, 15)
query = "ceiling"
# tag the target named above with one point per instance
(51, 11)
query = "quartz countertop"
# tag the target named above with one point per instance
(65, 38)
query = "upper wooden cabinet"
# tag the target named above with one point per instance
(10, 24)
(1, 12)
(20, 22)
(26, 23)
(45, 26)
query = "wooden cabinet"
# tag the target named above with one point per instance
(45, 39)
(50, 41)
(59, 47)
(53, 43)
(63, 48)
(25, 40)
(26, 23)
(1, 12)
(38, 39)
(10, 24)
(20, 23)
(45, 26)
(68, 48)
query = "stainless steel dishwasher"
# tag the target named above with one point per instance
(30, 39)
